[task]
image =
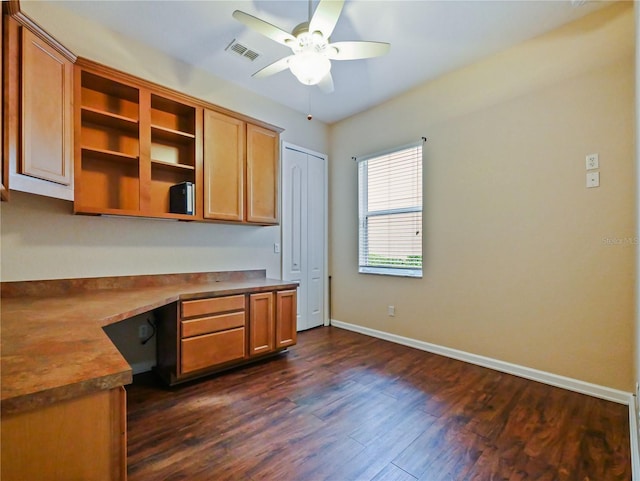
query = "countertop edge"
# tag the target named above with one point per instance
(29, 402)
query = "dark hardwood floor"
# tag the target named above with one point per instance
(342, 406)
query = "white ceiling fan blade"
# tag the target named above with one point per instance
(325, 17)
(275, 67)
(356, 50)
(326, 84)
(265, 28)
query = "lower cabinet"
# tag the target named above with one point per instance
(198, 337)
(82, 438)
(215, 336)
(261, 338)
(287, 314)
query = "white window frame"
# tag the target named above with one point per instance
(364, 215)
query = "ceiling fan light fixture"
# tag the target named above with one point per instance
(311, 45)
(309, 67)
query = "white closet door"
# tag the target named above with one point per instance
(294, 226)
(304, 231)
(316, 240)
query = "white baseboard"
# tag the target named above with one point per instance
(551, 379)
(143, 366)
(571, 384)
(633, 431)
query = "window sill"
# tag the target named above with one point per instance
(390, 271)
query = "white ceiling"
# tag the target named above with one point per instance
(428, 38)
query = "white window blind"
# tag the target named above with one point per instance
(390, 211)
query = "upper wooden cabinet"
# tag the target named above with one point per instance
(224, 166)
(262, 175)
(46, 111)
(132, 144)
(241, 170)
(117, 144)
(38, 120)
(135, 140)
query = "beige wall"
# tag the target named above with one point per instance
(42, 240)
(517, 266)
(637, 324)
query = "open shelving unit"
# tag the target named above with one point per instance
(134, 140)
(109, 144)
(173, 138)
(134, 144)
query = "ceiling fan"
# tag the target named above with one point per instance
(309, 42)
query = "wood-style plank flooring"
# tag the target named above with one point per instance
(341, 406)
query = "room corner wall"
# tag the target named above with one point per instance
(523, 263)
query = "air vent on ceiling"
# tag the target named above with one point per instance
(242, 50)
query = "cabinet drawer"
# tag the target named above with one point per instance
(206, 351)
(205, 325)
(212, 306)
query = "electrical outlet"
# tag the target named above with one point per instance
(592, 161)
(143, 331)
(391, 310)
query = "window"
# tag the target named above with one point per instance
(390, 211)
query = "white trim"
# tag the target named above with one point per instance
(284, 145)
(391, 271)
(143, 366)
(633, 433)
(551, 379)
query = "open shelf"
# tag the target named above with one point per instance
(108, 155)
(106, 95)
(161, 180)
(172, 116)
(109, 185)
(114, 121)
(173, 140)
(170, 165)
(170, 135)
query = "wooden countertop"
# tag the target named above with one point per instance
(53, 346)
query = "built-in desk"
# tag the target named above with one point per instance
(57, 363)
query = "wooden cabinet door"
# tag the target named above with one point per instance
(286, 314)
(224, 174)
(261, 323)
(81, 438)
(47, 116)
(262, 175)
